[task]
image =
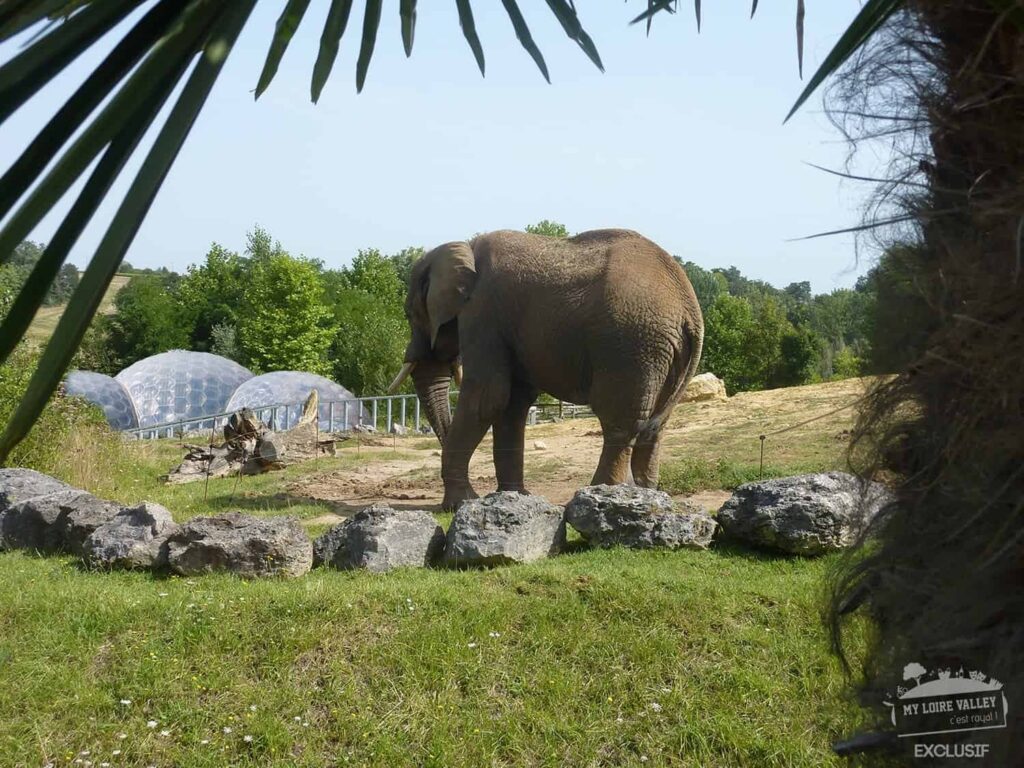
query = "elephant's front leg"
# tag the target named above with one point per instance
(510, 438)
(465, 434)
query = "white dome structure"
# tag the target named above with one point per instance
(291, 388)
(106, 392)
(178, 385)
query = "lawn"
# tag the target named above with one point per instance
(591, 658)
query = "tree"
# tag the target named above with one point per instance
(548, 228)
(403, 262)
(707, 284)
(283, 322)
(370, 341)
(148, 320)
(210, 294)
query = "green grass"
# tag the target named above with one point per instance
(688, 658)
(698, 474)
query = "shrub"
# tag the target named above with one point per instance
(71, 440)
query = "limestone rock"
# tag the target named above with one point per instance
(504, 527)
(399, 429)
(242, 544)
(54, 522)
(706, 386)
(17, 484)
(803, 515)
(380, 539)
(640, 518)
(135, 538)
(540, 445)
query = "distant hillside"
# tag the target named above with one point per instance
(45, 321)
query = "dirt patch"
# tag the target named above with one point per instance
(708, 430)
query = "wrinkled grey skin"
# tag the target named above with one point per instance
(605, 318)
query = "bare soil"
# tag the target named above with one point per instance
(561, 457)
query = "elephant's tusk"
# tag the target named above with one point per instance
(402, 376)
(457, 373)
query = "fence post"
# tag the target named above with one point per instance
(403, 412)
(417, 414)
(388, 425)
(330, 417)
(375, 413)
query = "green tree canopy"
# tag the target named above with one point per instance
(283, 323)
(548, 228)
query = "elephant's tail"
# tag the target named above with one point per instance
(687, 358)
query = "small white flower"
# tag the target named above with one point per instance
(85, 753)
(305, 725)
(151, 724)
(252, 707)
(494, 634)
(126, 702)
(122, 736)
(643, 758)
(163, 594)
(247, 739)
(165, 733)
(471, 645)
(656, 706)
(666, 690)
(297, 719)
(104, 765)
(227, 729)
(205, 741)
(116, 752)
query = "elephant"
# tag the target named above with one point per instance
(606, 319)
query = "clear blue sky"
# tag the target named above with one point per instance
(680, 139)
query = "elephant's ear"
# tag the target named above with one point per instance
(452, 277)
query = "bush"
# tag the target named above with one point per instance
(71, 440)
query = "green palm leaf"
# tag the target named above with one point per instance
(525, 38)
(85, 301)
(469, 31)
(330, 40)
(407, 10)
(371, 23)
(287, 23)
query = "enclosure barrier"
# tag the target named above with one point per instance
(371, 411)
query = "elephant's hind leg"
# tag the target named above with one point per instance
(614, 466)
(646, 460)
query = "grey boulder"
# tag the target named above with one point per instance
(135, 538)
(802, 515)
(17, 485)
(639, 518)
(504, 527)
(242, 544)
(380, 539)
(54, 522)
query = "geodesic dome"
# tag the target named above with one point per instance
(179, 385)
(106, 392)
(291, 388)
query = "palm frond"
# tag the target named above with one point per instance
(287, 23)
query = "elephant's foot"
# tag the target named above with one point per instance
(455, 495)
(514, 487)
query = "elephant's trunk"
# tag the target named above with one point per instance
(432, 381)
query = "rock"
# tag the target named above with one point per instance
(242, 544)
(426, 429)
(55, 522)
(436, 453)
(802, 515)
(540, 445)
(399, 429)
(504, 527)
(79, 517)
(18, 484)
(640, 518)
(380, 539)
(135, 538)
(368, 429)
(706, 386)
